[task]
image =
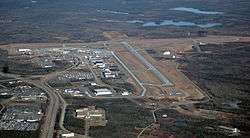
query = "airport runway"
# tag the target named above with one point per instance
(156, 72)
(136, 79)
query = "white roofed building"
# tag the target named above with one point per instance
(102, 91)
(95, 117)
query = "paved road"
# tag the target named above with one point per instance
(54, 105)
(49, 124)
(5, 102)
(138, 136)
(156, 72)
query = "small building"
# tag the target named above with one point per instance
(93, 84)
(100, 65)
(107, 73)
(164, 116)
(168, 55)
(125, 93)
(48, 66)
(202, 44)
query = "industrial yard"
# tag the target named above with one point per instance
(98, 73)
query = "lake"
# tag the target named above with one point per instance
(193, 10)
(166, 23)
(179, 23)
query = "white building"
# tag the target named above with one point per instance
(24, 50)
(125, 94)
(167, 53)
(68, 135)
(103, 91)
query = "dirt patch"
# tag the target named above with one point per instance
(112, 35)
(145, 75)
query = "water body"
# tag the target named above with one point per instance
(165, 23)
(209, 25)
(180, 23)
(113, 12)
(150, 24)
(193, 10)
(135, 21)
(33, 1)
(113, 21)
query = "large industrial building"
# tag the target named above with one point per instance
(94, 117)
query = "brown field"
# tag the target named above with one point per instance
(137, 88)
(137, 67)
(183, 44)
(112, 35)
(153, 91)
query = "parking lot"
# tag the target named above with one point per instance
(22, 91)
(21, 118)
